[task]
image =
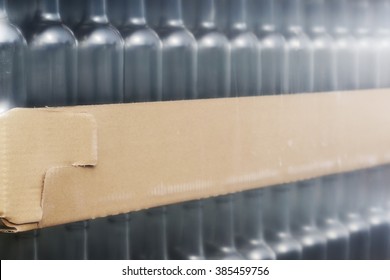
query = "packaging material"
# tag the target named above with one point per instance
(59, 165)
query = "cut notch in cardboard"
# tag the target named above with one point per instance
(61, 165)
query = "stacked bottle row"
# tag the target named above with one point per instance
(311, 46)
(348, 218)
(285, 46)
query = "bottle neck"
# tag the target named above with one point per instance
(280, 214)
(339, 15)
(49, 10)
(224, 223)
(3, 10)
(206, 14)
(136, 12)
(315, 15)
(96, 11)
(192, 235)
(266, 13)
(253, 215)
(171, 13)
(292, 11)
(238, 15)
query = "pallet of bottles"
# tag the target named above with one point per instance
(61, 53)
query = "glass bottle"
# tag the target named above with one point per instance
(344, 45)
(271, 47)
(109, 238)
(323, 79)
(222, 245)
(359, 230)
(244, 53)
(278, 223)
(156, 234)
(143, 50)
(381, 10)
(12, 63)
(298, 72)
(376, 214)
(52, 71)
(362, 30)
(328, 219)
(213, 54)
(190, 243)
(250, 242)
(100, 57)
(304, 223)
(179, 52)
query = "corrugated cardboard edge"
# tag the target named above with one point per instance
(33, 142)
(153, 154)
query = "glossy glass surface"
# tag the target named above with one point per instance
(213, 54)
(376, 214)
(12, 63)
(278, 223)
(244, 53)
(250, 241)
(351, 214)
(143, 57)
(222, 244)
(100, 57)
(156, 246)
(179, 53)
(190, 243)
(328, 218)
(52, 67)
(298, 71)
(271, 47)
(305, 230)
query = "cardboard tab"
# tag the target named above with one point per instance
(33, 141)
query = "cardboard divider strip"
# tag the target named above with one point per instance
(153, 154)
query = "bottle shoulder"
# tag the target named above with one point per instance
(211, 38)
(320, 40)
(297, 40)
(98, 34)
(270, 39)
(242, 39)
(10, 34)
(51, 34)
(139, 35)
(176, 36)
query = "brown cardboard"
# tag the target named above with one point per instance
(60, 165)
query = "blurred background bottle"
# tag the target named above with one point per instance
(190, 245)
(362, 30)
(250, 242)
(52, 58)
(298, 67)
(359, 231)
(328, 218)
(271, 47)
(100, 57)
(156, 245)
(381, 20)
(278, 223)
(222, 245)
(374, 188)
(213, 53)
(12, 63)
(305, 230)
(179, 53)
(244, 53)
(142, 64)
